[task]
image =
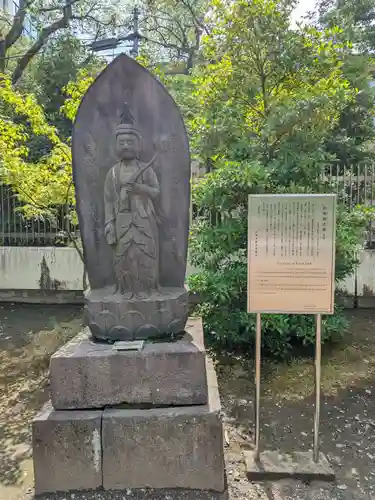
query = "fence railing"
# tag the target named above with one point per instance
(17, 230)
(353, 186)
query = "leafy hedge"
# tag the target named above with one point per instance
(218, 249)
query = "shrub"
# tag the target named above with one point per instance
(218, 249)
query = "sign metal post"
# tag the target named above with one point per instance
(258, 342)
(291, 257)
(318, 364)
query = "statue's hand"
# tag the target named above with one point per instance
(110, 233)
(139, 188)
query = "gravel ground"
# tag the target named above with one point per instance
(28, 336)
(347, 423)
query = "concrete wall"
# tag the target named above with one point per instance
(360, 287)
(41, 275)
(40, 268)
(50, 274)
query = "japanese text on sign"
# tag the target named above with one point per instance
(291, 247)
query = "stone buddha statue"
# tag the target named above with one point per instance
(131, 193)
(131, 169)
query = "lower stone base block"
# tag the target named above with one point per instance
(67, 450)
(139, 494)
(298, 465)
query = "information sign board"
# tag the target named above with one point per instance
(291, 254)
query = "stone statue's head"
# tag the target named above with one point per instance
(128, 138)
(128, 143)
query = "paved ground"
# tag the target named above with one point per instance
(28, 336)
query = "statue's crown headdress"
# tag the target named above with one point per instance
(127, 120)
(126, 117)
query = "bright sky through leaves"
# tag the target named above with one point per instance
(303, 7)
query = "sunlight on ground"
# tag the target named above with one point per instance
(23, 378)
(34, 356)
(345, 365)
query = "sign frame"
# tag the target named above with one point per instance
(293, 197)
(316, 313)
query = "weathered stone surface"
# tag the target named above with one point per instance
(140, 494)
(111, 317)
(67, 450)
(298, 465)
(131, 170)
(85, 374)
(165, 448)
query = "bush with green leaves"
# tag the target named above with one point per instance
(219, 248)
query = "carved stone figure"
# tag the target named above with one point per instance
(131, 169)
(131, 192)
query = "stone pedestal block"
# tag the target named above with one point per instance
(165, 447)
(140, 494)
(85, 374)
(67, 450)
(299, 465)
(116, 316)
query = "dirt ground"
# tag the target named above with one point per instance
(28, 337)
(347, 418)
(30, 334)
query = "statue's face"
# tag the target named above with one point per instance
(128, 146)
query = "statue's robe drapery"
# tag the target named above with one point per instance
(133, 215)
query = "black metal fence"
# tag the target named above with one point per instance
(353, 186)
(17, 230)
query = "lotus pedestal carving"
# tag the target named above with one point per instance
(160, 313)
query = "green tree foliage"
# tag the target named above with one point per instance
(60, 63)
(39, 185)
(270, 93)
(172, 31)
(352, 139)
(356, 17)
(269, 97)
(42, 183)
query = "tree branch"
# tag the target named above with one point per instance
(18, 21)
(196, 19)
(34, 49)
(18, 26)
(161, 44)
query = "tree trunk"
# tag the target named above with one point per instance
(2, 56)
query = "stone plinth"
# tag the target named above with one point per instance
(165, 447)
(85, 374)
(114, 316)
(178, 449)
(145, 441)
(273, 466)
(67, 450)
